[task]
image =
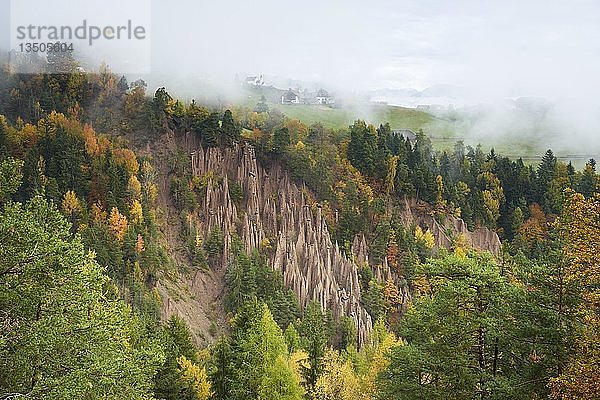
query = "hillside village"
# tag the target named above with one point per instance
(290, 96)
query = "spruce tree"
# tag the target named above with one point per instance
(230, 132)
(314, 338)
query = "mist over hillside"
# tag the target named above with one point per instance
(480, 60)
(571, 128)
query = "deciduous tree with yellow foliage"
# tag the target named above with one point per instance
(581, 231)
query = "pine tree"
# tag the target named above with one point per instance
(544, 309)
(314, 338)
(292, 339)
(210, 130)
(230, 132)
(261, 106)
(10, 177)
(3, 137)
(589, 183)
(74, 338)
(545, 173)
(454, 334)
(181, 376)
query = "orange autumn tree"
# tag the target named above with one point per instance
(580, 227)
(91, 140)
(127, 158)
(118, 224)
(393, 253)
(532, 234)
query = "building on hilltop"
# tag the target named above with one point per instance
(290, 97)
(324, 98)
(254, 81)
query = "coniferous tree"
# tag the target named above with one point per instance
(253, 362)
(3, 138)
(545, 320)
(261, 106)
(454, 334)
(545, 173)
(589, 182)
(80, 342)
(230, 132)
(211, 130)
(314, 338)
(281, 140)
(10, 177)
(170, 382)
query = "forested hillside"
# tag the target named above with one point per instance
(151, 248)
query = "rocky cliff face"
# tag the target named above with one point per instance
(275, 210)
(481, 238)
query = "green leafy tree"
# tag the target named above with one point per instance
(169, 382)
(589, 182)
(314, 338)
(194, 118)
(292, 339)
(210, 130)
(421, 163)
(214, 243)
(545, 174)
(66, 160)
(346, 332)
(240, 279)
(10, 177)
(253, 362)
(374, 300)
(231, 133)
(455, 335)
(4, 142)
(250, 278)
(366, 152)
(545, 320)
(66, 333)
(281, 140)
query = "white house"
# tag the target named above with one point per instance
(254, 81)
(289, 97)
(324, 98)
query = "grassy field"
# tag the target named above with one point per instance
(340, 118)
(443, 132)
(330, 117)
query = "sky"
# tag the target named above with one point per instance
(508, 48)
(519, 48)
